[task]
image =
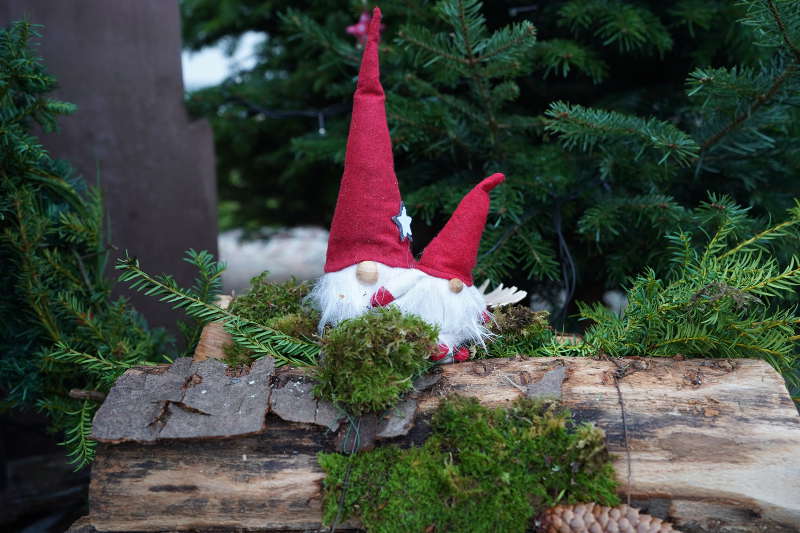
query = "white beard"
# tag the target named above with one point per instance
(459, 316)
(340, 295)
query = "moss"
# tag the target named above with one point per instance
(480, 470)
(296, 324)
(267, 300)
(519, 330)
(369, 361)
(278, 306)
(237, 357)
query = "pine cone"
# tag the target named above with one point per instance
(591, 518)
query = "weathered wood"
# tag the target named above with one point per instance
(714, 446)
(185, 400)
(214, 338)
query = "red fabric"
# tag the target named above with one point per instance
(454, 251)
(369, 196)
(442, 352)
(381, 298)
(461, 355)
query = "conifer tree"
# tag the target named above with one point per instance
(63, 340)
(612, 120)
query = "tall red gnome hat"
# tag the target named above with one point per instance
(370, 222)
(454, 251)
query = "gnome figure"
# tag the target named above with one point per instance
(369, 259)
(445, 295)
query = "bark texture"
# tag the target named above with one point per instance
(710, 445)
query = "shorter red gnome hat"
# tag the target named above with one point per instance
(369, 222)
(454, 251)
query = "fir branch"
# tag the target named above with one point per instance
(257, 337)
(77, 437)
(760, 100)
(409, 37)
(777, 231)
(782, 28)
(584, 128)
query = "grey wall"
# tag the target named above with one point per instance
(119, 61)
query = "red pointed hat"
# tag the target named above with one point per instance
(370, 222)
(454, 251)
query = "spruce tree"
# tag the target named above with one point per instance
(612, 120)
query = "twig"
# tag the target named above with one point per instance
(93, 395)
(480, 83)
(782, 28)
(521, 388)
(761, 99)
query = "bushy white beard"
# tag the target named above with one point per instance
(340, 295)
(458, 315)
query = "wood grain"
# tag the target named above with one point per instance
(714, 446)
(214, 338)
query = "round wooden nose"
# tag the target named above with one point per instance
(456, 285)
(367, 272)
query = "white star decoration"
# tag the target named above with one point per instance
(403, 222)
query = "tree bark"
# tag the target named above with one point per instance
(711, 445)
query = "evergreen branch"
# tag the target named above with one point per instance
(760, 349)
(91, 363)
(77, 437)
(782, 29)
(479, 82)
(679, 340)
(258, 337)
(36, 298)
(584, 127)
(529, 33)
(790, 277)
(769, 233)
(436, 51)
(760, 100)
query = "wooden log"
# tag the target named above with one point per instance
(213, 338)
(713, 445)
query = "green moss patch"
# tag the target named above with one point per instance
(279, 306)
(480, 470)
(519, 330)
(368, 362)
(268, 300)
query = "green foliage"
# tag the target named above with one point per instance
(370, 361)
(723, 299)
(266, 300)
(724, 294)
(480, 470)
(519, 331)
(279, 306)
(249, 334)
(606, 141)
(59, 328)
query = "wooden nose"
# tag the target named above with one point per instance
(367, 272)
(456, 285)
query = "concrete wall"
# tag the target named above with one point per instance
(119, 61)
